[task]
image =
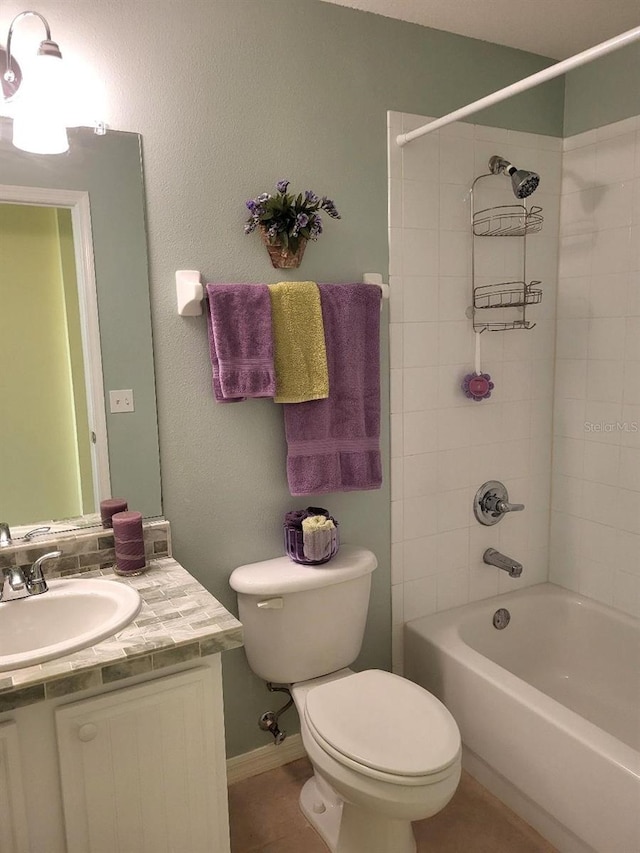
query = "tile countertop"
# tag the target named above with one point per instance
(178, 621)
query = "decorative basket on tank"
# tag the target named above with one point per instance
(314, 546)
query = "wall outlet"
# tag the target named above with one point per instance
(121, 401)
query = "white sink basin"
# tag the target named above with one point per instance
(72, 615)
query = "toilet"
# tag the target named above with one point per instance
(384, 751)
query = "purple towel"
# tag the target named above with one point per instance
(333, 445)
(240, 341)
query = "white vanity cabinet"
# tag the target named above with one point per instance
(135, 769)
(13, 806)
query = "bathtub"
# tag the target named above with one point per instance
(548, 708)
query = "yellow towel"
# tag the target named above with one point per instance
(299, 353)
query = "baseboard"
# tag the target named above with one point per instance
(264, 758)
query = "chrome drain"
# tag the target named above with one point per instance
(501, 618)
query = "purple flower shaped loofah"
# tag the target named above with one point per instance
(477, 386)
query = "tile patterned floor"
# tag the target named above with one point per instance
(265, 819)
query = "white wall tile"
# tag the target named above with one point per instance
(421, 557)
(615, 158)
(420, 344)
(420, 202)
(598, 470)
(454, 297)
(605, 380)
(443, 445)
(420, 297)
(421, 475)
(452, 589)
(420, 432)
(457, 164)
(419, 252)
(420, 598)
(421, 388)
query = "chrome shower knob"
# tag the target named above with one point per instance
(491, 503)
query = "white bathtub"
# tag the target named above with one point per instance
(549, 709)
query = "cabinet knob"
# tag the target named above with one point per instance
(87, 732)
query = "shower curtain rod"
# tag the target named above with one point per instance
(527, 83)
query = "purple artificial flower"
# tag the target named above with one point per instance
(281, 186)
(250, 227)
(310, 196)
(263, 197)
(301, 220)
(252, 205)
(316, 227)
(328, 205)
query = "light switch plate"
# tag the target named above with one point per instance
(121, 401)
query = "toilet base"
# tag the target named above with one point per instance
(346, 828)
(324, 817)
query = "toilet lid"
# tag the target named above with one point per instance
(384, 722)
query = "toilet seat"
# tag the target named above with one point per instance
(385, 727)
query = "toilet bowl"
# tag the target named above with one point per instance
(385, 752)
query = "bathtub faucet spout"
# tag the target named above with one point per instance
(507, 564)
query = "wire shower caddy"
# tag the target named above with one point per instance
(504, 220)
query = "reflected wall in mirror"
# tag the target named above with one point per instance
(65, 345)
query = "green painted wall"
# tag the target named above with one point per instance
(37, 428)
(76, 358)
(604, 91)
(230, 96)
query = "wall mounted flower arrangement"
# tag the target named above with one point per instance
(287, 221)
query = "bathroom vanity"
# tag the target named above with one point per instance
(120, 747)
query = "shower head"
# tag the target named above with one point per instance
(523, 182)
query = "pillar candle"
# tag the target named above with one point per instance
(129, 542)
(109, 507)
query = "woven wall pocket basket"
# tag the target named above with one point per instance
(282, 258)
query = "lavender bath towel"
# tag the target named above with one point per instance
(333, 445)
(240, 341)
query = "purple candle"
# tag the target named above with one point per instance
(127, 533)
(109, 507)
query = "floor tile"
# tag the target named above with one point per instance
(265, 818)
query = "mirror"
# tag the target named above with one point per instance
(93, 199)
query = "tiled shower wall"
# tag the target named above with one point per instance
(443, 445)
(595, 523)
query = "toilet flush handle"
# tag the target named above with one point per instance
(271, 604)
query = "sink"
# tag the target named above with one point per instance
(72, 615)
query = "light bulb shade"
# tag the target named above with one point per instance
(39, 120)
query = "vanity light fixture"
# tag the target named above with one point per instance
(38, 122)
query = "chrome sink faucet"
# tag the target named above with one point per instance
(31, 580)
(494, 558)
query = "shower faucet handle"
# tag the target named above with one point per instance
(491, 503)
(505, 506)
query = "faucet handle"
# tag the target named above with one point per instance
(34, 577)
(505, 506)
(5, 534)
(491, 503)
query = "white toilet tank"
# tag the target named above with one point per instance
(301, 622)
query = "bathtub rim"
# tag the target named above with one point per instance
(442, 630)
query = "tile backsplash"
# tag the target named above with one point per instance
(83, 550)
(443, 445)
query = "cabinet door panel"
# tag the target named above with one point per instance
(13, 816)
(143, 768)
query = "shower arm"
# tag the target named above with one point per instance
(523, 85)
